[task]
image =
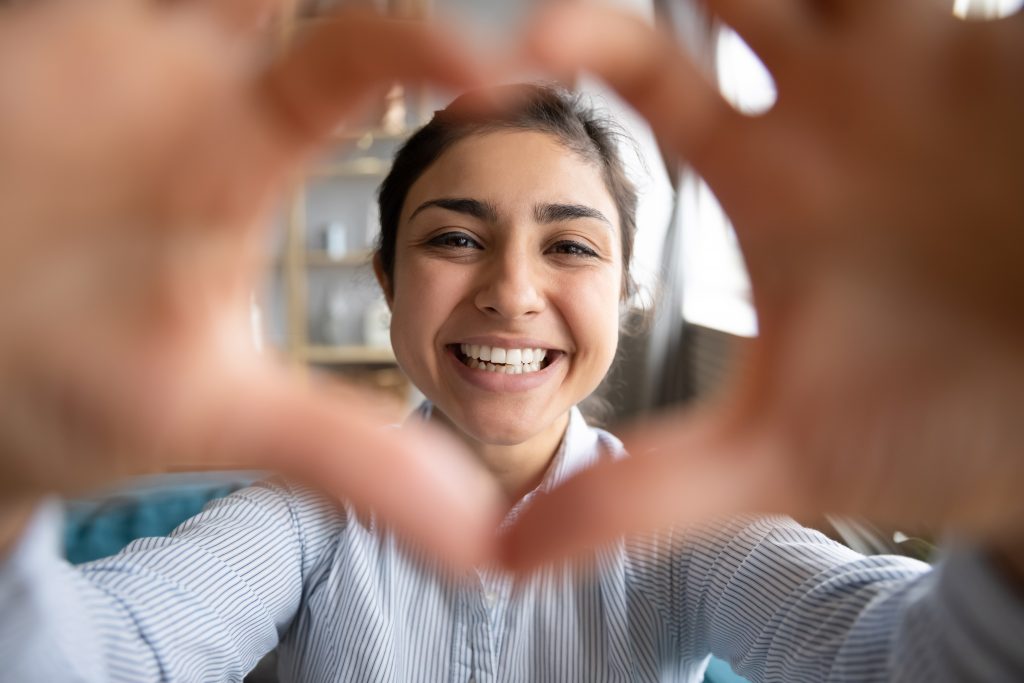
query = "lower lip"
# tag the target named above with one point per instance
(500, 382)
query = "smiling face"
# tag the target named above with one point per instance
(506, 286)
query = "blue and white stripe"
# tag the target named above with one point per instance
(344, 600)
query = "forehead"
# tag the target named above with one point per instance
(514, 171)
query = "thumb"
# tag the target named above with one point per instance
(683, 468)
(344, 443)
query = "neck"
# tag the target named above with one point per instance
(518, 468)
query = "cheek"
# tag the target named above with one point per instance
(425, 294)
(595, 320)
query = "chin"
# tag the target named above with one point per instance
(500, 424)
(499, 434)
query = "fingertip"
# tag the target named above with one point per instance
(553, 528)
(551, 38)
(420, 482)
(432, 491)
(511, 551)
(515, 556)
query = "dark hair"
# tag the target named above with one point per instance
(533, 107)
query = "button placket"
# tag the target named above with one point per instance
(480, 632)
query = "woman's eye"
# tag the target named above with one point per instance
(455, 240)
(573, 249)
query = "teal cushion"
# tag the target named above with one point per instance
(99, 528)
(720, 672)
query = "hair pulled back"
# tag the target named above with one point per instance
(535, 107)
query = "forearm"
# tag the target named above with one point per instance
(785, 603)
(101, 622)
(54, 625)
(966, 625)
(870, 620)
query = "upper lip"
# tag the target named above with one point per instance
(508, 343)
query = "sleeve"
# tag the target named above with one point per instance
(784, 603)
(203, 604)
(969, 626)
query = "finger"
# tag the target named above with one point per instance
(643, 64)
(772, 29)
(844, 10)
(342, 59)
(345, 443)
(682, 470)
(875, 16)
(234, 16)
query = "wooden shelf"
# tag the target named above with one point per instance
(363, 167)
(371, 134)
(318, 258)
(348, 355)
(355, 162)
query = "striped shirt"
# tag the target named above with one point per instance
(343, 599)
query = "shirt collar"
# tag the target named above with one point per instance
(582, 446)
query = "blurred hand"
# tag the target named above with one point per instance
(878, 206)
(144, 146)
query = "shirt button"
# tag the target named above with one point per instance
(491, 598)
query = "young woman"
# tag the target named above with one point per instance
(504, 252)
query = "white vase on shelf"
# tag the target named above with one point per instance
(377, 324)
(336, 240)
(339, 315)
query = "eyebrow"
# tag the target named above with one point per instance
(471, 207)
(542, 213)
(552, 213)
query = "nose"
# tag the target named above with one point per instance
(511, 287)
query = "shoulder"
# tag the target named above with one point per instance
(278, 498)
(285, 510)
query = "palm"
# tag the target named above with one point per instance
(145, 150)
(875, 206)
(858, 201)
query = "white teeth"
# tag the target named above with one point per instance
(507, 361)
(504, 369)
(496, 354)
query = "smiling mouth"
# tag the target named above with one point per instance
(502, 360)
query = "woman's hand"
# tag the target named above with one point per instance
(144, 146)
(878, 205)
